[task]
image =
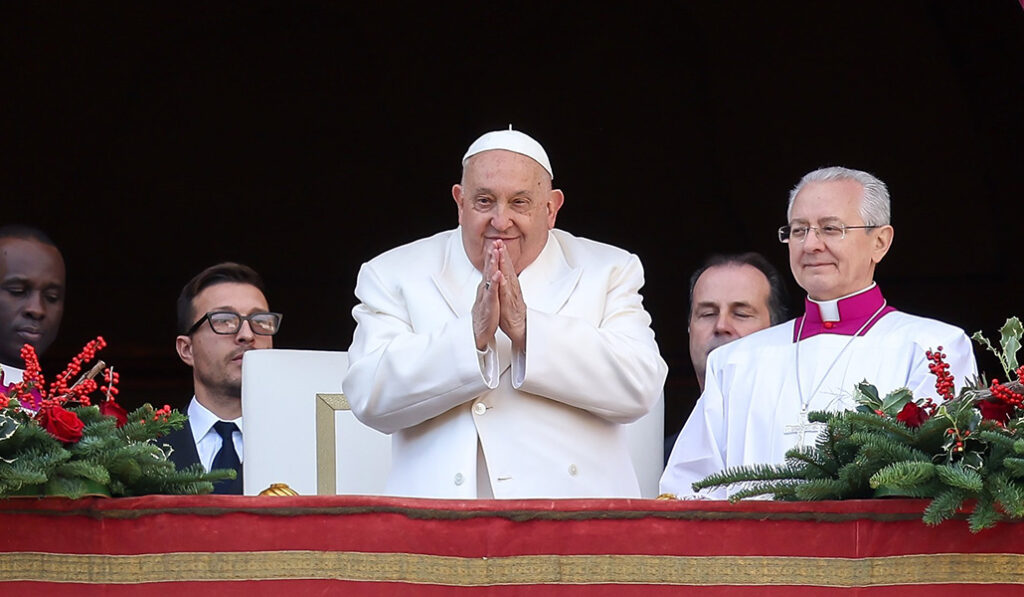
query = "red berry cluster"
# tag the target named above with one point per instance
(1004, 394)
(33, 376)
(960, 438)
(59, 387)
(111, 378)
(162, 414)
(940, 369)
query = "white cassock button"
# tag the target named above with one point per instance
(573, 470)
(479, 408)
(459, 478)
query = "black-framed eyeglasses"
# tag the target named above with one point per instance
(826, 233)
(229, 322)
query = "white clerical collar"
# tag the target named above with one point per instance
(829, 310)
(850, 315)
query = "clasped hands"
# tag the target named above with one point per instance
(499, 300)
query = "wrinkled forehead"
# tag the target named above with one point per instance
(229, 296)
(508, 168)
(731, 283)
(31, 260)
(838, 200)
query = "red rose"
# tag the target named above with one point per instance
(912, 415)
(61, 424)
(112, 409)
(995, 411)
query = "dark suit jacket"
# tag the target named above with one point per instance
(184, 446)
(184, 454)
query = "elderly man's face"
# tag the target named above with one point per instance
(729, 302)
(216, 359)
(507, 196)
(835, 268)
(31, 296)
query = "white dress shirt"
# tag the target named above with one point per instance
(208, 442)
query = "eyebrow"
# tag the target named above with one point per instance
(487, 191)
(26, 280)
(826, 219)
(235, 310)
(703, 304)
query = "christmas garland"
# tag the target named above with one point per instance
(950, 449)
(56, 442)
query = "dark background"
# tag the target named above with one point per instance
(303, 138)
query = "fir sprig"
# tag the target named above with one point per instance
(953, 455)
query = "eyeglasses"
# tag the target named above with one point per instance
(229, 322)
(828, 232)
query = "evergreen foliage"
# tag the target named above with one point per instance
(123, 461)
(64, 446)
(948, 452)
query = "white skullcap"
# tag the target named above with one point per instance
(513, 141)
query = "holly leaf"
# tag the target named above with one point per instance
(8, 426)
(867, 395)
(1011, 333)
(896, 399)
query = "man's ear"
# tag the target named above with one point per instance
(457, 195)
(883, 240)
(554, 204)
(183, 344)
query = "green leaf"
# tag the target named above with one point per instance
(7, 427)
(1011, 333)
(867, 394)
(895, 400)
(982, 340)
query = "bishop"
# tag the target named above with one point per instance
(759, 389)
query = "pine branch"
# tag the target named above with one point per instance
(903, 474)
(984, 516)
(754, 472)
(811, 463)
(822, 489)
(1009, 494)
(1015, 466)
(881, 449)
(871, 421)
(83, 469)
(944, 506)
(779, 490)
(997, 439)
(958, 476)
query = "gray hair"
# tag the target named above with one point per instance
(874, 205)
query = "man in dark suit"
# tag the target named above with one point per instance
(32, 287)
(222, 314)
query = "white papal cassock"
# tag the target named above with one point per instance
(753, 410)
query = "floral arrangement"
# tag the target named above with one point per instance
(54, 441)
(950, 448)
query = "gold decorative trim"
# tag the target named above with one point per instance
(326, 441)
(957, 569)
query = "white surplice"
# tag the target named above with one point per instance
(751, 407)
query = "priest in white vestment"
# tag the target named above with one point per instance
(759, 389)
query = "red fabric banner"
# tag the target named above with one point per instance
(229, 545)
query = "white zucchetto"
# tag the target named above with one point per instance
(513, 141)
